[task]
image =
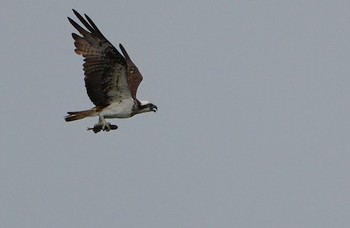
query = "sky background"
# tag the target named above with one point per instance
(252, 128)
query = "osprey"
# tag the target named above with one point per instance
(111, 79)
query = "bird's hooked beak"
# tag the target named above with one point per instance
(154, 108)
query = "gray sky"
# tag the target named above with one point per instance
(252, 128)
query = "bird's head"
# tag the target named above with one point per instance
(147, 107)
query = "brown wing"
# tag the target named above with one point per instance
(134, 75)
(105, 68)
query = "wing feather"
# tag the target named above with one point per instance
(134, 75)
(104, 67)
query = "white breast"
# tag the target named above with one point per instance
(120, 109)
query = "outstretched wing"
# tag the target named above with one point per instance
(134, 75)
(106, 70)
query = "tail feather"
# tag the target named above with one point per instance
(72, 116)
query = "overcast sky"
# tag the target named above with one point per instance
(252, 128)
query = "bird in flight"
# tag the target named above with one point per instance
(111, 78)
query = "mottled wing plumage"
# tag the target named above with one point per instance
(105, 68)
(134, 75)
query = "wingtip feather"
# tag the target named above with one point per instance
(75, 12)
(125, 53)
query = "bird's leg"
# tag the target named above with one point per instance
(105, 125)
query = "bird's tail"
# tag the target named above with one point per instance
(72, 116)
